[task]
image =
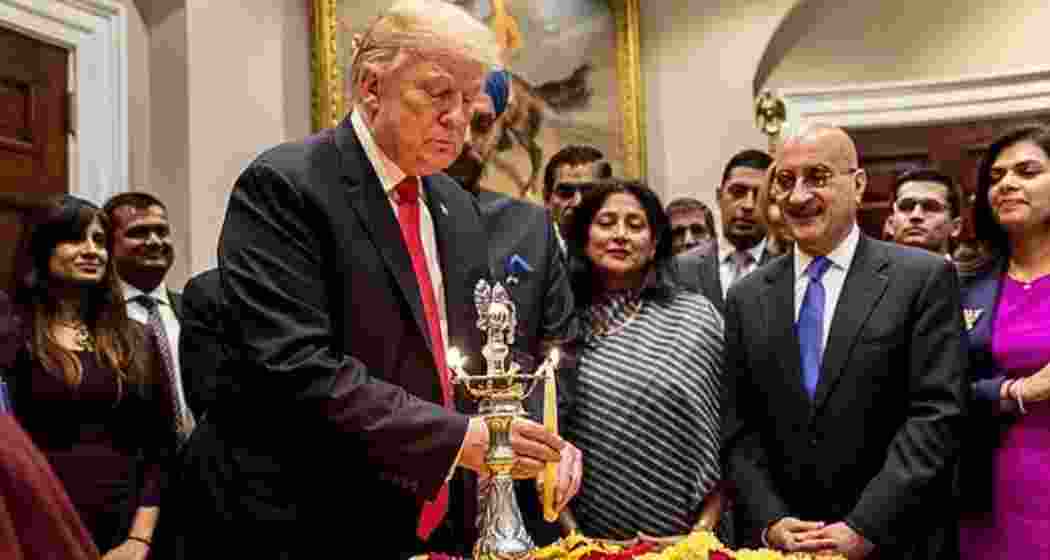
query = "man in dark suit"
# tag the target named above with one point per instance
(926, 210)
(348, 263)
(144, 253)
(203, 351)
(570, 173)
(524, 255)
(845, 371)
(743, 248)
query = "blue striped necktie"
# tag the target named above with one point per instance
(811, 325)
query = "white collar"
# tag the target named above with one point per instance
(726, 250)
(390, 175)
(160, 293)
(840, 257)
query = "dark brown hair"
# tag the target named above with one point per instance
(573, 155)
(985, 225)
(118, 344)
(661, 281)
(930, 175)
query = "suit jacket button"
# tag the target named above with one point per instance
(813, 441)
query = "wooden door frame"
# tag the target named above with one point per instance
(925, 102)
(95, 33)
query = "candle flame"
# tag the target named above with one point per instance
(456, 360)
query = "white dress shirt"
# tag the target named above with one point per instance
(727, 266)
(137, 312)
(833, 280)
(390, 176)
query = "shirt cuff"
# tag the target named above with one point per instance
(988, 389)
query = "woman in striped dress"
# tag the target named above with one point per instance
(646, 407)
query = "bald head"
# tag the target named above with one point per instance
(839, 147)
(821, 164)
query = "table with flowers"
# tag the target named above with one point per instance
(701, 545)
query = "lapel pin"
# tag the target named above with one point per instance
(516, 265)
(444, 210)
(971, 317)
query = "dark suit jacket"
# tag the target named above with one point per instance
(699, 271)
(334, 436)
(202, 350)
(544, 304)
(985, 426)
(876, 446)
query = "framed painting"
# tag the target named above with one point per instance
(575, 66)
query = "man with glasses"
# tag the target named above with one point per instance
(743, 248)
(845, 372)
(692, 225)
(925, 210)
(569, 174)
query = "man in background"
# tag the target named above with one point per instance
(742, 248)
(692, 225)
(569, 175)
(926, 210)
(143, 253)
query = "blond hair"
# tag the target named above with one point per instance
(423, 27)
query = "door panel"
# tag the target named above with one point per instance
(33, 142)
(952, 148)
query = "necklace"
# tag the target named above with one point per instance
(82, 336)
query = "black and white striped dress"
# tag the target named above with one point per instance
(646, 414)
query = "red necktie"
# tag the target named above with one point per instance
(408, 215)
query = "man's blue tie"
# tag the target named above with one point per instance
(811, 325)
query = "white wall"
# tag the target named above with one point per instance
(704, 61)
(211, 84)
(249, 89)
(698, 60)
(846, 42)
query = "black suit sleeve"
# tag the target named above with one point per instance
(927, 443)
(560, 322)
(746, 463)
(271, 254)
(202, 353)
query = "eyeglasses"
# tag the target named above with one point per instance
(928, 205)
(569, 190)
(813, 178)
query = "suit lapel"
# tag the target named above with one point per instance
(463, 261)
(766, 255)
(372, 207)
(865, 285)
(715, 280)
(778, 302)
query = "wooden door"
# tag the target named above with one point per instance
(33, 127)
(954, 149)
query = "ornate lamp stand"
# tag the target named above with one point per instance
(499, 392)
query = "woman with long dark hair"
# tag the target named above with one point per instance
(84, 379)
(646, 405)
(1004, 480)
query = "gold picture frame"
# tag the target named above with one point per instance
(329, 105)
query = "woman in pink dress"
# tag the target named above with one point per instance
(1004, 475)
